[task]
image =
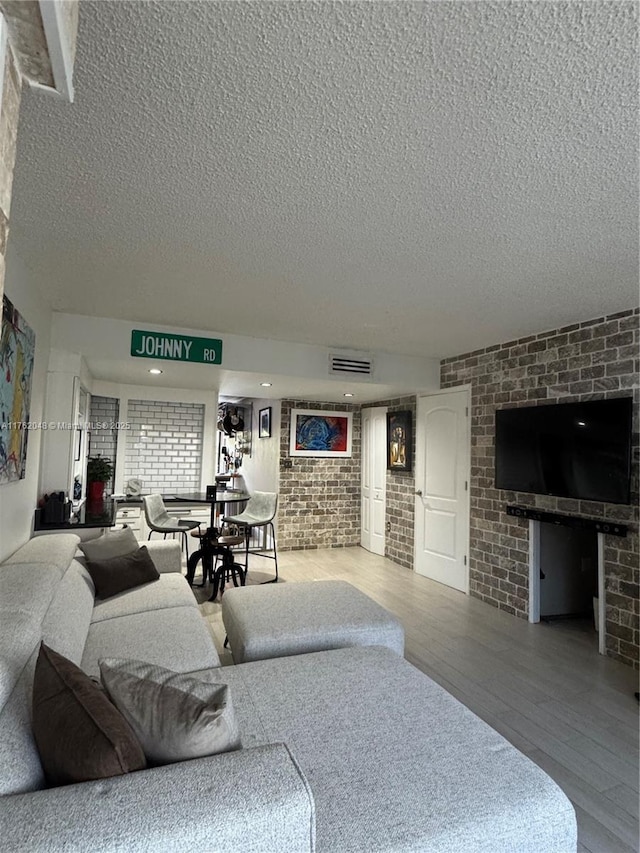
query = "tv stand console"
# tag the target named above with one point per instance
(601, 525)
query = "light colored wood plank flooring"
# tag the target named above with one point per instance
(543, 687)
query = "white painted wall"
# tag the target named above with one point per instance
(261, 471)
(18, 500)
(106, 344)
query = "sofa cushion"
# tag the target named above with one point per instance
(363, 722)
(115, 543)
(20, 767)
(54, 550)
(175, 717)
(170, 590)
(26, 591)
(66, 623)
(79, 732)
(117, 574)
(176, 638)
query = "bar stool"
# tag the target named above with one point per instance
(260, 511)
(216, 545)
(159, 521)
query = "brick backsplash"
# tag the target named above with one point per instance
(584, 361)
(319, 499)
(103, 440)
(164, 445)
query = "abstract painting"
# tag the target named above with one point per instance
(319, 433)
(17, 350)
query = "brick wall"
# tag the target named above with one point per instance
(399, 514)
(164, 445)
(586, 361)
(103, 440)
(319, 499)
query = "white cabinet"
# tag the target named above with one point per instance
(195, 512)
(133, 517)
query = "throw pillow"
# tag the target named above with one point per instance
(80, 734)
(121, 573)
(116, 543)
(175, 716)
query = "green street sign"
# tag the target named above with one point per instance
(175, 347)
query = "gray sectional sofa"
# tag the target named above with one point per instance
(344, 750)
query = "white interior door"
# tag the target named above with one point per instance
(374, 479)
(442, 497)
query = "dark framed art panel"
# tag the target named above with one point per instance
(264, 423)
(399, 441)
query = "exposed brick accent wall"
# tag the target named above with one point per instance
(399, 515)
(164, 445)
(585, 361)
(319, 499)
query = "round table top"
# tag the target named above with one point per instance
(227, 496)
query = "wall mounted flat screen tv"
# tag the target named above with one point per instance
(570, 450)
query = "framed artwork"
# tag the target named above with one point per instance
(321, 434)
(17, 350)
(399, 441)
(264, 423)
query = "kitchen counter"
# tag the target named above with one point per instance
(87, 515)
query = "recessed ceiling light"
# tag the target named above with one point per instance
(581, 423)
(266, 384)
(155, 371)
(347, 395)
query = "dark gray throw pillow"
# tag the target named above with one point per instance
(121, 573)
(79, 732)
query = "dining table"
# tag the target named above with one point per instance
(215, 497)
(212, 544)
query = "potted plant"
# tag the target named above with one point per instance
(99, 472)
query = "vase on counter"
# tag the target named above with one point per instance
(96, 491)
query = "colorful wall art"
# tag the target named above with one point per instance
(17, 351)
(319, 433)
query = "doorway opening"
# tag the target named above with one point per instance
(566, 578)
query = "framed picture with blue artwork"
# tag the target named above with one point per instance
(321, 434)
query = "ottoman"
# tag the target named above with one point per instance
(269, 621)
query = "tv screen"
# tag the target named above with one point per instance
(570, 450)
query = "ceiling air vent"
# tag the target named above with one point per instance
(354, 365)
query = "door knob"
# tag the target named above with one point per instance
(419, 492)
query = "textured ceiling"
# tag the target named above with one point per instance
(421, 178)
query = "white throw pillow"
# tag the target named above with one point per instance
(116, 543)
(175, 717)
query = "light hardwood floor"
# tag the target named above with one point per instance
(543, 687)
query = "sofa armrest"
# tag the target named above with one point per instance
(166, 555)
(251, 800)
